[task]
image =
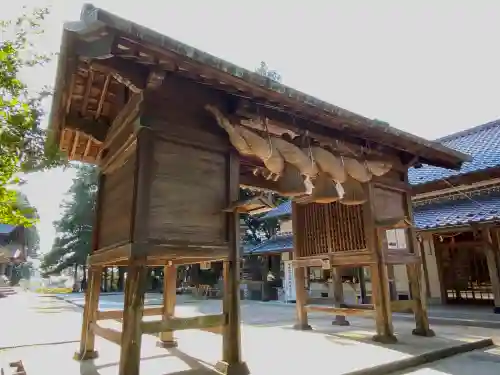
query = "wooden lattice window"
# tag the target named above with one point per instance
(329, 228)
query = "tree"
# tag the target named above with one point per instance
(72, 244)
(257, 228)
(22, 138)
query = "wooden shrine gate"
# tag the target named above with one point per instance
(176, 132)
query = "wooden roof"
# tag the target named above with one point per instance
(102, 54)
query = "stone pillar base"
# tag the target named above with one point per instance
(225, 368)
(385, 339)
(91, 354)
(423, 332)
(167, 344)
(302, 327)
(341, 321)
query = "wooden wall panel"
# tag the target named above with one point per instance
(388, 204)
(188, 195)
(117, 196)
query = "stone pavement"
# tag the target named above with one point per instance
(46, 331)
(441, 315)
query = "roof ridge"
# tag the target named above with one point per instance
(469, 131)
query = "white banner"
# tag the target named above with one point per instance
(289, 282)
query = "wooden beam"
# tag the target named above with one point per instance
(111, 255)
(118, 314)
(107, 333)
(132, 75)
(97, 129)
(344, 311)
(402, 306)
(325, 135)
(127, 114)
(176, 324)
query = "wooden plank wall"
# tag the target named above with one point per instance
(116, 207)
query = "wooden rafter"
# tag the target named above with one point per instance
(104, 92)
(86, 96)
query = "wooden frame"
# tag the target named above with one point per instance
(137, 106)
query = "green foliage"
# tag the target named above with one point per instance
(22, 138)
(74, 230)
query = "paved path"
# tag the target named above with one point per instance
(442, 315)
(45, 321)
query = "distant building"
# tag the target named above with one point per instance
(14, 247)
(458, 217)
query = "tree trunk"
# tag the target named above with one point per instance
(75, 278)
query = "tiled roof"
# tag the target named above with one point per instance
(458, 212)
(6, 228)
(278, 244)
(282, 210)
(481, 142)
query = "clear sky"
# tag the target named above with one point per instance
(430, 67)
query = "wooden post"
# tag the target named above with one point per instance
(87, 340)
(232, 363)
(393, 292)
(338, 296)
(491, 260)
(379, 276)
(137, 271)
(299, 276)
(167, 339)
(93, 290)
(420, 301)
(265, 283)
(301, 300)
(362, 284)
(415, 278)
(135, 288)
(425, 266)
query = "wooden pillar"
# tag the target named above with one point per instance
(167, 339)
(415, 278)
(393, 292)
(135, 288)
(425, 268)
(137, 270)
(232, 363)
(338, 296)
(264, 266)
(299, 275)
(87, 340)
(362, 285)
(300, 300)
(490, 247)
(379, 277)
